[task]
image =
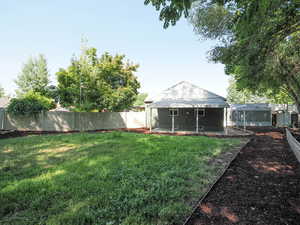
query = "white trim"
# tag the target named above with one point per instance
(174, 110)
(197, 120)
(200, 110)
(173, 125)
(150, 120)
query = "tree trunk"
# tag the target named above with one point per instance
(294, 95)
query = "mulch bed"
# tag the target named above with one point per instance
(15, 133)
(261, 186)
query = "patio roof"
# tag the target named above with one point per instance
(187, 95)
(251, 107)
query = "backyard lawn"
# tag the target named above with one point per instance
(105, 178)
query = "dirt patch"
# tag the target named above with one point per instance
(261, 186)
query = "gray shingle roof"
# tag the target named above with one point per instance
(187, 95)
(251, 107)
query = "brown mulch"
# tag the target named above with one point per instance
(15, 133)
(261, 186)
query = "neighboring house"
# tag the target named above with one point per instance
(4, 102)
(137, 108)
(186, 107)
(284, 115)
(257, 114)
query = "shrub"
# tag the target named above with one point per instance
(30, 104)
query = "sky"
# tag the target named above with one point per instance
(55, 29)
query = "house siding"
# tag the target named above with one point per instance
(186, 119)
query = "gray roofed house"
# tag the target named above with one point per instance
(186, 95)
(186, 107)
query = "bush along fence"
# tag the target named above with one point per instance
(294, 144)
(72, 121)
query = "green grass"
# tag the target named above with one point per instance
(104, 178)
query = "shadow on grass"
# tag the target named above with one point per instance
(111, 178)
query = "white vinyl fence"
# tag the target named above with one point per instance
(72, 121)
(294, 144)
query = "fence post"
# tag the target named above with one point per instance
(293, 143)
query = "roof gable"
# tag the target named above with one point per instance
(184, 94)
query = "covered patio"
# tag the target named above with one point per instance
(186, 108)
(226, 132)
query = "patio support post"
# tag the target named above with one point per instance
(244, 120)
(150, 121)
(173, 122)
(226, 115)
(197, 119)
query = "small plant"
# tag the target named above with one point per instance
(30, 104)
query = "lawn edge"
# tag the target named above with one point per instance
(210, 187)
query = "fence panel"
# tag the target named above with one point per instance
(294, 144)
(72, 121)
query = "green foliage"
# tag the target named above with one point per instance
(93, 83)
(2, 93)
(170, 11)
(52, 92)
(34, 76)
(31, 103)
(210, 20)
(109, 178)
(140, 99)
(259, 44)
(259, 41)
(236, 96)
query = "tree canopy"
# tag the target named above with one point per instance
(140, 99)
(259, 40)
(170, 10)
(262, 47)
(236, 96)
(34, 76)
(29, 104)
(93, 83)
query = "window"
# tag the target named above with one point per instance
(173, 112)
(201, 112)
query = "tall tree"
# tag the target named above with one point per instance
(241, 96)
(34, 76)
(170, 10)
(259, 40)
(236, 96)
(140, 99)
(262, 49)
(93, 83)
